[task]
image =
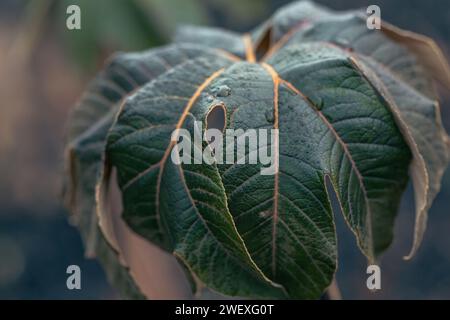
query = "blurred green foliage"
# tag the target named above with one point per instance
(129, 25)
(105, 25)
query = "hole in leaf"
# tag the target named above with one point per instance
(216, 118)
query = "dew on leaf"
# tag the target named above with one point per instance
(223, 91)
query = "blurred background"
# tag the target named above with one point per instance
(44, 68)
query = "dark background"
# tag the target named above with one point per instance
(43, 70)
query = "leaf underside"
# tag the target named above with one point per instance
(353, 106)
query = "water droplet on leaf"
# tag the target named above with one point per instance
(223, 91)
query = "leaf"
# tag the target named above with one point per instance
(419, 118)
(123, 74)
(413, 60)
(85, 157)
(354, 108)
(290, 19)
(184, 209)
(424, 49)
(211, 37)
(319, 136)
(285, 219)
(157, 273)
(116, 273)
(88, 127)
(96, 111)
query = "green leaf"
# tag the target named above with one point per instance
(85, 164)
(289, 19)
(406, 64)
(211, 37)
(94, 114)
(364, 152)
(332, 123)
(355, 109)
(88, 127)
(419, 118)
(184, 208)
